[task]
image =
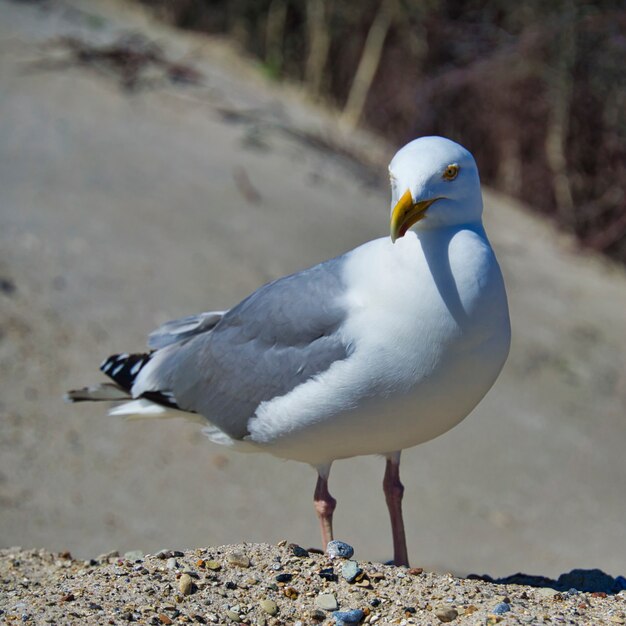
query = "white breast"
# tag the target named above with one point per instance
(428, 321)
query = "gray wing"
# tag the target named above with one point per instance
(183, 328)
(274, 340)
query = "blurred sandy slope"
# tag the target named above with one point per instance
(121, 210)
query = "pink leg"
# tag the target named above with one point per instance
(394, 490)
(324, 505)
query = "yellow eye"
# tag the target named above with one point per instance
(451, 172)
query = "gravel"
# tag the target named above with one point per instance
(39, 587)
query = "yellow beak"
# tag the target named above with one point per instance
(406, 213)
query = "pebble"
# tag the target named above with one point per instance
(298, 551)
(339, 549)
(353, 616)
(546, 592)
(446, 614)
(238, 559)
(269, 606)
(164, 619)
(233, 615)
(350, 570)
(284, 578)
(501, 608)
(326, 601)
(212, 565)
(328, 573)
(171, 563)
(168, 554)
(185, 585)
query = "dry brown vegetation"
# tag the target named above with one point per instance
(536, 89)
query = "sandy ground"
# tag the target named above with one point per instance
(121, 210)
(265, 585)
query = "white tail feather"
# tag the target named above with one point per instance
(145, 409)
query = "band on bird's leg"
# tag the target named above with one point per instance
(394, 490)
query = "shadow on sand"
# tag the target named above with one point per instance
(587, 580)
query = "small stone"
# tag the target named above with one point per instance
(284, 578)
(68, 597)
(501, 608)
(212, 565)
(171, 563)
(233, 615)
(416, 571)
(350, 570)
(339, 549)
(238, 559)
(185, 584)
(353, 616)
(326, 601)
(328, 574)
(297, 550)
(446, 613)
(291, 593)
(269, 606)
(547, 592)
(317, 616)
(168, 554)
(134, 555)
(164, 619)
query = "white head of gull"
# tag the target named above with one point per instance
(374, 351)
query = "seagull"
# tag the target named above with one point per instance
(377, 350)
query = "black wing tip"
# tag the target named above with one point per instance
(124, 368)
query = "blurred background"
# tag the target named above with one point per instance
(162, 158)
(538, 88)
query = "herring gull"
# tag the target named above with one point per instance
(377, 350)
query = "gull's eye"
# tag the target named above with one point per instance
(451, 172)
